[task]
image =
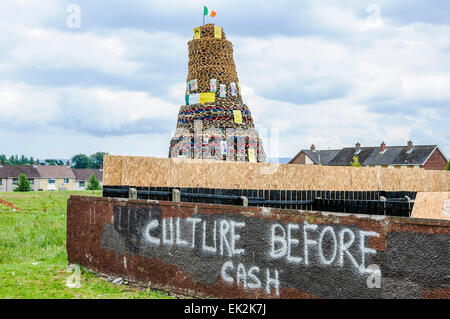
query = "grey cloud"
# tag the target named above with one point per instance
(155, 83)
(289, 18)
(307, 93)
(141, 126)
(386, 105)
(160, 65)
(80, 113)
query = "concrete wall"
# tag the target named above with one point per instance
(247, 252)
(77, 187)
(59, 184)
(8, 186)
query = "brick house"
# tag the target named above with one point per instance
(429, 157)
(314, 157)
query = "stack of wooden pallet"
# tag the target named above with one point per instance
(214, 123)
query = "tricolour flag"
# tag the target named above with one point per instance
(207, 12)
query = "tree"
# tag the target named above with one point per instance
(355, 162)
(81, 161)
(97, 159)
(93, 184)
(448, 166)
(15, 160)
(84, 161)
(23, 184)
(53, 162)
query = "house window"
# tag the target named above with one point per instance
(1, 181)
(66, 181)
(81, 184)
(15, 181)
(51, 181)
(31, 181)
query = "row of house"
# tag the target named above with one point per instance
(429, 157)
(47, 178)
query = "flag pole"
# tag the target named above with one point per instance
(203, 16)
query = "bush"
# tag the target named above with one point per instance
(448, 166)
(23, 184)
(355, 162)
(93, 184)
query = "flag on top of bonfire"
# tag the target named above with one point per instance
(207, 12)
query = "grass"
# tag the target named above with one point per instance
(33, 258)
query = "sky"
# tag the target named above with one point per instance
(329, 73)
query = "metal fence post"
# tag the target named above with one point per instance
(132, 193)
(409, 204)
(176, 195)
(383, 199)
(244, 201)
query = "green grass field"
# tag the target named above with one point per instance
(33, 258)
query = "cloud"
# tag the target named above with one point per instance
(298, 70)
(62, 143)
(23, 107)
(22, 14)
(128, 59)
(313, 70)
(49, 49)
(96, 111)
(103, 112)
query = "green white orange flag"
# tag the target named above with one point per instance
(207, 12)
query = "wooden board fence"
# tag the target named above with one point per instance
(163, 172)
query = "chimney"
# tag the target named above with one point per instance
(382, 147)
(101, 167)
(1, 163)
(410, 145)
(34, 164)
(68, 163)
(313, 147)
(358, 148)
